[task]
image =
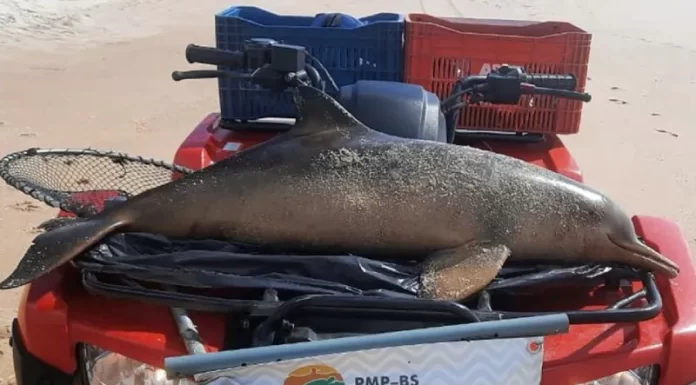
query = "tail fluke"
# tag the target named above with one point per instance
(643, 256)
(58, 246)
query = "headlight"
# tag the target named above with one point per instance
(106, 368)
(646, 375)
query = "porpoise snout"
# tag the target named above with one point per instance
(625, 247)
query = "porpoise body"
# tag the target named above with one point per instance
(333, 185)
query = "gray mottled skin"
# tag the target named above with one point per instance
(333, 185)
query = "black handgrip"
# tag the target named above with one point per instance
(556, 82)
(585, 97)
(214, 56)
(202, 74)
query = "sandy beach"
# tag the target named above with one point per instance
(77, 73)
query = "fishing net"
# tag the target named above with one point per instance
(78, 181)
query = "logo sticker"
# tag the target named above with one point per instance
(314, 375)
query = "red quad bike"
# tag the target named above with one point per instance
(115, 315)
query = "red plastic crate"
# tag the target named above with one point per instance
(440, 50)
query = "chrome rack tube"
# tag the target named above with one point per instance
(187, 329)
(182, 366)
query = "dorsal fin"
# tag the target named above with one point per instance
(320, 112)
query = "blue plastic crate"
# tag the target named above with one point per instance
(368, 48)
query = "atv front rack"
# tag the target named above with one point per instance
(267, 320)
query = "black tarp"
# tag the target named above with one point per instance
(211, 264)
(218, 264)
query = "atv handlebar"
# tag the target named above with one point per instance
(557, 82)
(278, 66)
(273, 65)
(506, 85)
(214, 56)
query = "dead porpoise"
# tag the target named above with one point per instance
(333, 185)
